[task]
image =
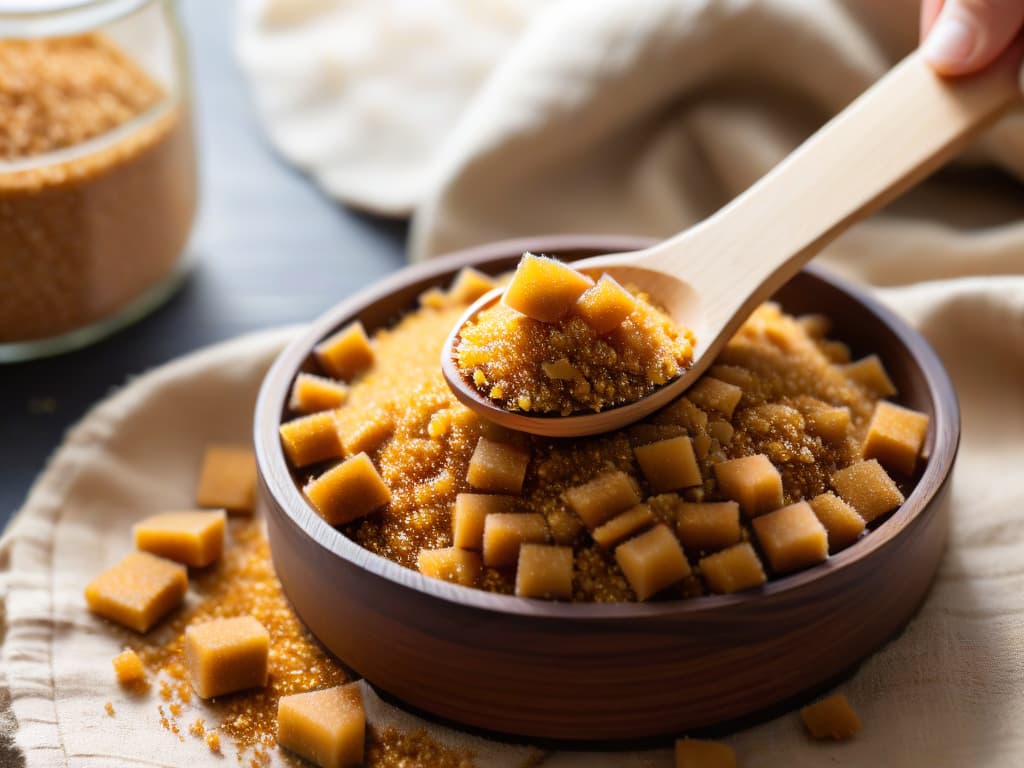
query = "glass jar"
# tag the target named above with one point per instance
(97, 168)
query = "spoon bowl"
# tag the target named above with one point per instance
(710, 277)
(684, 307)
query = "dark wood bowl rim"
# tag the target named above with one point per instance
(274, 472)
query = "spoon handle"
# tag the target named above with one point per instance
(900, 130)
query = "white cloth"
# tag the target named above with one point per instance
(589, 115)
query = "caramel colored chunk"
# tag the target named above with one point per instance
(459, 566)
(544, 571)
(469, 285)
(831, 718)
(364, 432)
(312, 394)
(867, 487)
(138, 591)
(326, 727)
(228, 479)
(722, 431)
(708, 526)
(817, 326)
(505, 533)
(831, 424)
(792, 537)
(345, 354)
(498, 467)
(194, 538)
(835, 351)
(895, 437)
(545, 289)
(652, 561)
(753, 481)
(669, 464)
(226, 655)
(869, 373)
(350, 490)
(128, 668)
(733, 374)
(623, 526)
(560, 369)
(434, 298)
(733, 569)
(311, 439)
(469, 513)
(602, 498)
(841, 521)
(684, 414)
(606, 305)
(694, 753)
(716, 395)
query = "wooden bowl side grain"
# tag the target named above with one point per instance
(609, 672)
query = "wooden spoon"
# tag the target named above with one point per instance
(712, 276)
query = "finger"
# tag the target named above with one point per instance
(929, 13)
(969, 34)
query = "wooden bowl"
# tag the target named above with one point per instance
(613, 671)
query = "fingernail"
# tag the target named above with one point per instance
(950, 42)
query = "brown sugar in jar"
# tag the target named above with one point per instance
(97, 189)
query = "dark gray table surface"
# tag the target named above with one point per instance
(270, 249)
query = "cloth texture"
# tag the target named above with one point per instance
(498, 118)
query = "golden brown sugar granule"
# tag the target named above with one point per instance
(469, 285)
(544, 289)
(831, 718)
(842, 523)
(128, 669)
(606, 305)
(346, 353)
(895, 437)
(226, 655)
(227, 479)
(348, 490)
(311, 439)
(193, 537)
(213, 741)
(312, 394)
(868, 488)
(109, 708)
(792, 537)
(138, 591)
(733, 569)
(393, 748)
(327, 727)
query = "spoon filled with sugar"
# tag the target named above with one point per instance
(709, 278)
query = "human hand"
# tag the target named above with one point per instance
(965, 36)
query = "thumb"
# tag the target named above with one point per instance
(968, 35)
